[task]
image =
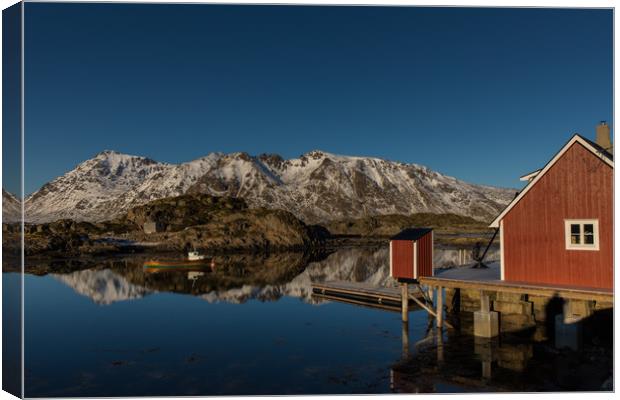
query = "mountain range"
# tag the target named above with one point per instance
(317, 187)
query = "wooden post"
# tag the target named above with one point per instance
(404, 301)
(429, 293)
(439, 306)
(428, 309)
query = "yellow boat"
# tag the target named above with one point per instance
(176, 265)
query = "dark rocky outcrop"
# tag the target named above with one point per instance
(218, 224)
(177, 213)
(194, 221)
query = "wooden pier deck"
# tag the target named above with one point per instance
(489, 280)
(388, 298)
(565, 292)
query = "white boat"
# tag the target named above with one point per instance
(195, 256)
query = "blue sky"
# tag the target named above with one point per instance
(481, 94)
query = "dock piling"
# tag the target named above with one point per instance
(429, 308)
(439, 306)
(486, 322)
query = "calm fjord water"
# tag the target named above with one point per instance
(113, 329)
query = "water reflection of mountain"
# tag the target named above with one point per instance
(239, 278)
(352, 265)
(102, 286)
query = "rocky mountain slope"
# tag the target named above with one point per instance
(11, 207)
(317, 187)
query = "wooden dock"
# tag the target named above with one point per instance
(387, 298)
(565, 292)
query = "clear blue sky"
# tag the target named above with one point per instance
(480, 94)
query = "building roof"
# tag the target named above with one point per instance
(599, 149)
(411, 234)
(535, 176)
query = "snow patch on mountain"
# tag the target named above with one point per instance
(316, 187)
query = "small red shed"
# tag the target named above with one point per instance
(411, 254)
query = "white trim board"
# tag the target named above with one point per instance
(530, 176)
(575, 139)
(501, 250)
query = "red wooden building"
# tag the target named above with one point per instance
(559, 229)
(411, 254)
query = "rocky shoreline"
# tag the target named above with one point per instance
(202, 222)
(221, 225)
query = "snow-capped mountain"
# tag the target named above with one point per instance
(11, 207)
(316, 187)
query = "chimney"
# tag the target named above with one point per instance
(603, 137)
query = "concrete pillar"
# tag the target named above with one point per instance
(485, 302)
(486, 322)
(404, 294)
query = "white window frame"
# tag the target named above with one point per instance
(581, 246)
